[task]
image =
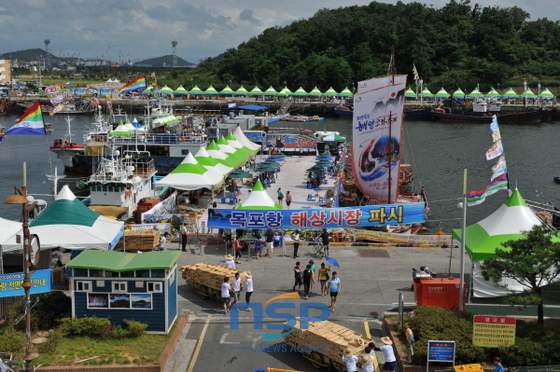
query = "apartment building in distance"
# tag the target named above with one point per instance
(5, 71)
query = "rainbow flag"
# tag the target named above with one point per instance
(31, 122)
(495, 185)
(138, 83)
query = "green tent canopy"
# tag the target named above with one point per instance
(259, 199)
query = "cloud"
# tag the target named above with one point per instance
(249, 16)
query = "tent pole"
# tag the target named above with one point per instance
(463, 242)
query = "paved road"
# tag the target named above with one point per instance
(370, 286)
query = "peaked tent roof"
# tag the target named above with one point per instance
(232, 152)
(330, 92)
(270, 91)
(426, 93)
(346, 92)
(8, 231)
(227, 90)
(181, 90)
(67, 223)
(493, 93)
(165, 89)
(190, 175)
(244, 140)
(506, 223)
(208, 162)
(315, 92)
(546, 93)
(230, 138)
(333, 137)
(259, 199)
(215, 152)
(529, 93)
(300, 92)
(242, 90)
(459, 93)
(196, 90)
(210, 90)
(442, 93)
(475, 93)
(256, 90)
(410, 93)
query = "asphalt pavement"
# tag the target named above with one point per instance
(372, 279)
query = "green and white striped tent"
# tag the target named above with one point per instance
(330, 92)
(166, 90)
(238, 146)
(181, 90)
(315, 92)
(409, 93)
(242, 138)
(475, 93)
(459, 93)
(547, 94)
(196, 90)
(529, 93)
(256, 91)
(270, 91)
(221, 157)
(227, 90)
(442, 93)
(426, 93)
(120, 131)
(508, 222)
(284, 92)
(208, 162)
(242, 91)
(190, 175)
(211, 90)
(510, 93)
(346, 92)
(300, 92)
(258, 198)
(240, 156)
(67, 223)
(492, 93)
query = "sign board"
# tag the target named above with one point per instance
(441, 351)
(493, 331)
(10, 284)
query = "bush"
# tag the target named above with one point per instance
(51, 308)
(135, 328)
(12, 341)
(52, 343)
(90, 326)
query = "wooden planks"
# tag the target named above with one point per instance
(138, 240)
(209, 275)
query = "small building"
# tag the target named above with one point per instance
(119, 285)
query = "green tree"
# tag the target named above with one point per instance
(533, 262)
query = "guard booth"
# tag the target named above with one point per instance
(119, 285)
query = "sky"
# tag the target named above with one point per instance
(120, 30)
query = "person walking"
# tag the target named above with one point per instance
(350, 360)
(295, 239)
(237, 245)
(225, 294)
(298, 276)
(306, 281)
(323, 278)
(498, 364)
(184, 236)
(288, 199)
(325, 239)
(236, 288)
(366, 360)
(248, 288)
(258, 247)
(313, 269)
(334, 287)
(269, 239)
(280, 195)
(388, 353)
(162, 241)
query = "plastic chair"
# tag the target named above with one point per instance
(321, 199)
(310, 197)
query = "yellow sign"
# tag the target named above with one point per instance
(493, 331)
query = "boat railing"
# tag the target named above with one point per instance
(154, 138)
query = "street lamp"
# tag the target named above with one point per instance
(30, 259)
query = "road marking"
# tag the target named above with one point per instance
(198, 346)
(366, 325)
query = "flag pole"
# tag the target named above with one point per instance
(463, 243)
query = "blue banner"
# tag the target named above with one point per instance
(10, 284)
(441, 351)
(371, 215)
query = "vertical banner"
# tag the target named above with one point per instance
(377, 136)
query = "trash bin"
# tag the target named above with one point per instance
(223, 200)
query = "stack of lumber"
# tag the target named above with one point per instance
(336, 336)
(138, 240)
(211, 276)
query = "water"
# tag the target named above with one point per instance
(438, 153)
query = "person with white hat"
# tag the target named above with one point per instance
(229, 261)
(366, 361)
(390, 360)
(350, 360)
(248, 287)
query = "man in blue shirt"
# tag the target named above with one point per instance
(334, 287)
(498, 363)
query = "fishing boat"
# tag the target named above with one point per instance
(374, 171)
(299, 118)
(316, 118)
(65, 148)
(423, 113)
(120, 182)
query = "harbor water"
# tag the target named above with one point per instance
(438, 153)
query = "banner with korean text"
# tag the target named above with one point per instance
(10, 284)
(371, 215)
(493, 331)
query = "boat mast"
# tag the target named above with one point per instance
(392, 69)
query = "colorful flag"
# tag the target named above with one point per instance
(495, 185)
(499, 168)
(31, 122)
(495, 151)
(415, 72)
(136, 84)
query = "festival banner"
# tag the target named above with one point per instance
(56, 109)
(10, 284)
(371, 215)
(495, 185)
(377, 132)
(31, 122)
(59, 98)
(495, 151)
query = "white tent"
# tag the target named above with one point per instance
(8, 231)
(244, 140)
(67, 223)
(190, 175)
(259, 199)
(208, 162)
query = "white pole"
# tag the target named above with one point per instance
(463, 242)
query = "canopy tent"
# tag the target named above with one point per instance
(492, 93)
(67, 223)
(426, 93)
(233, 142)
(120, 131)
(181, 90)
(333, 137)
(346, 92)
(442, 93)
(208, 162)
(227, 90)
(475, 93)
(129, 127)
(242, 91)
(315, 92)
(214, 151)
(507, 223)
(547, 94)
(409, 93)
(510, 94)
(196, 90)
(166, 90)
(258, 198)
(256, 91)
(8, 235)
(240, 156)
(148, 90)
(300, 92)
(529, 93)
(190, 175)
(459, 93)
(244, 140)
(330, 92)
(210, 90)
(284, 92)
(270, 91)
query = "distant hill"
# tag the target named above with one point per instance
(27, 55)
(164, 61)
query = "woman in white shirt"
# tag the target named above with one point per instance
(350, 360)
(248, 288)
